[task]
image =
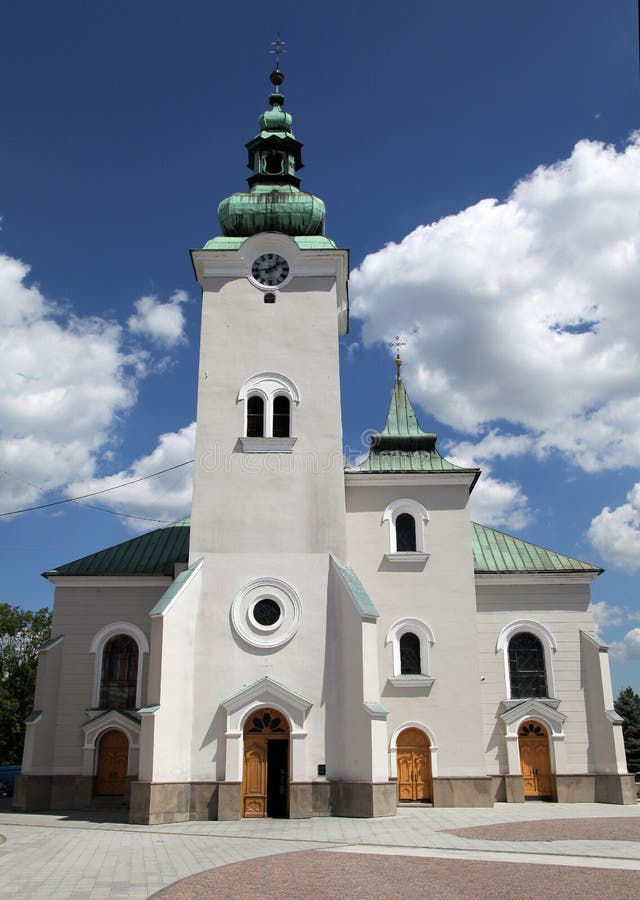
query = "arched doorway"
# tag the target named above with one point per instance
(413, 754)
(265, 773)
(535, 761)
(113, 760)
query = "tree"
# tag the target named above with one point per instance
(21, 633)
(627, 705)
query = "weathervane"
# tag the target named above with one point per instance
(279, 45)
(397, 343)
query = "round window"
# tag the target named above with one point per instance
(267, 612)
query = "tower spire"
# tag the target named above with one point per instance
(274, 201)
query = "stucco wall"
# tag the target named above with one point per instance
(563, 608)
(79, 614)
(279, 502)
(440, 593)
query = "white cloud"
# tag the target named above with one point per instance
(525, 311)
(628, 649)
(66, 382)
(63, 382)
(605, 615)
(615, 533)
(163, 323)
(166, 496)
(500, 504)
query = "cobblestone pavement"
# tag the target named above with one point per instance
(85, 856)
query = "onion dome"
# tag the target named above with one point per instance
(274, 201)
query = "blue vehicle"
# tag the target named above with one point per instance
(7, 779)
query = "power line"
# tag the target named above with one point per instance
(112, 512)
(115, 487)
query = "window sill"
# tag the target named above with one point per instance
(424, 681)
(267, 445)
(408, 556)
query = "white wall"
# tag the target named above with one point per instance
(441, 593)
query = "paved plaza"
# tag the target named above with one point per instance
(579, 850)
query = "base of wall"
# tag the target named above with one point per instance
(40, 792)
(362, 799)
(469, 792)
(153, 803)
(158, 804)
(507, 789)
(589, 788)
(597, 788)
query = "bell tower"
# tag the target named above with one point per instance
(268, 474)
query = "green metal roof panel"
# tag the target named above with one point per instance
(401, 418)
(356, 588)
(154, 553)
(157, 552)
(224, 243)
(389, 461)
(497, 553)
(174, 588)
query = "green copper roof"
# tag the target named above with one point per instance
(402, 445)
(498, 553)
(154, 553)
(157, 552)
(356, 588)
(274, 201)
(305, 242)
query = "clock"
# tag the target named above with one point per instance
(270, 269)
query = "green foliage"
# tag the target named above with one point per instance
(627, 705)
(21, 633)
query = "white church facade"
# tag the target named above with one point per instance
(314, 640)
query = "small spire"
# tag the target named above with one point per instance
(397, 343)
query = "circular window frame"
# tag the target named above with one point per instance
(266, 637)
(265, 629)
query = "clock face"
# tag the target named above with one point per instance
(270, 269)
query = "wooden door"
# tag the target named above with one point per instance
(113, 760)
(254, 779)
(413, 756)
(535, 761)
(265, 780)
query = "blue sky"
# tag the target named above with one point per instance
(478, 159)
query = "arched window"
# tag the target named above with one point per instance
(119, 674)
(270, 399)
(281, 416)
(407, 520)
(527, 672)
(405, 533)
(255, 416)
(411, 641)
(410, 654)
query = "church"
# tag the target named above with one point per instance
(314, 640)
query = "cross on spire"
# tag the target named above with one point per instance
(397, 343)
(280, 48)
